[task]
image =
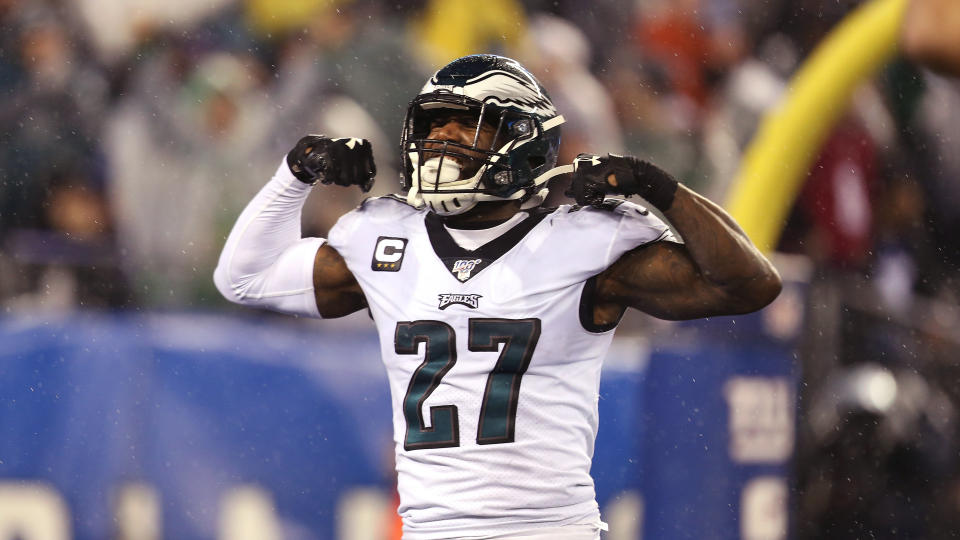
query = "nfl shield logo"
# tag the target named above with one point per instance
(463, 267)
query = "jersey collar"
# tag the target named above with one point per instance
(465, 263)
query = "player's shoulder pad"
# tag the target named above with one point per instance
(611, 211)
(615, 206)
(395, 197)
(373, 211)
(393, 206)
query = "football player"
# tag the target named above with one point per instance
(494, 313)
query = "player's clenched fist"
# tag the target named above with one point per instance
(346, 161)
(595, 176)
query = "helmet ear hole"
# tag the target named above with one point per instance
(520, 128)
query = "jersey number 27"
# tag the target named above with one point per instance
(498, 412)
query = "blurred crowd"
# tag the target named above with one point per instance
(133, 132)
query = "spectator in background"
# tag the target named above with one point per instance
(182, 145)
(656, 121)
(604, 24)
(558, 53)
(752, 87)
(116, 29)
(884, 465)
(325, 54)
(11, 68)
(68, 258)
(686, 48)
(932, 135)
(448, 29)
(338, 47)
(672, 35)
(57, 248)
(194, 112)
(310, 74)
(51, 116)
(806, 22)
(833, 220)
(902, 244)
(929, 35)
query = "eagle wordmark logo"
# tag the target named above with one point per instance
(449, 299)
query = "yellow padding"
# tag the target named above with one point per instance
(791, 135)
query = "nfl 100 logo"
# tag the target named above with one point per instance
(463, 267)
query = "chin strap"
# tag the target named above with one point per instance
(537, 198)
(556, 171)
(413, 196)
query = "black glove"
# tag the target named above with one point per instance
(630, 176)
(345, 162)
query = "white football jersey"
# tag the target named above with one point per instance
(493, 359)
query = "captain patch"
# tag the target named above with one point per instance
(388, 254)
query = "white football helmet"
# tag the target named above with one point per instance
(497, 91)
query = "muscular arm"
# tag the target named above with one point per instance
(717, 271)
(334, 286)
(266, 263)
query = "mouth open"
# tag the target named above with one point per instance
(467, 165)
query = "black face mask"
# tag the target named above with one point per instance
(510, 129)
